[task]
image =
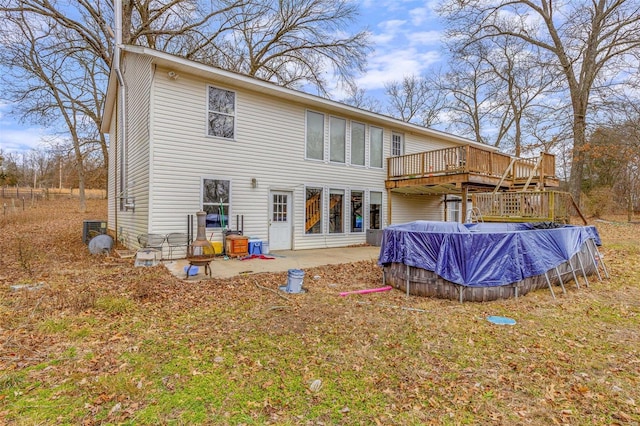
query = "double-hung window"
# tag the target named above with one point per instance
(216, 202)
(222, 113)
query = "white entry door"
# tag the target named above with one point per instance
(280, 220)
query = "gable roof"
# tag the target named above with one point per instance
(181, 65)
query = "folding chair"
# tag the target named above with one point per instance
(154, 241)
(176, 240)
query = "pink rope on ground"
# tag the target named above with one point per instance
(369, 290)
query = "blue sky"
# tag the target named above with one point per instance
(405, 37)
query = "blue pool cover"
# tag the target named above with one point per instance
(483, 254)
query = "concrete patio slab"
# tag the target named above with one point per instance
(282, 261)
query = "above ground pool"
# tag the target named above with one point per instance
(486, 261)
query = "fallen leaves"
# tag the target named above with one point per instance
(122, 338)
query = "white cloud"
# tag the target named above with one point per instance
(15, 137)
(20, 139)
(420, 15)
(425, 37)
(395, 64)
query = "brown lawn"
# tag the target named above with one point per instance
(99, 341)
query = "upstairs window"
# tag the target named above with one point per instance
(222, 113)
(315, 135)
(338, 133)
(375, 147)
(357, 144)
(397, 144)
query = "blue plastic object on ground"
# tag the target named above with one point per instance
(193, 270)
(501, 320)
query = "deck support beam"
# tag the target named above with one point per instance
(463, 207)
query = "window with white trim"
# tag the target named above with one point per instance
(216, 202)
(337, 137)
(453, 204)
(397, 144)
(357, 143)
(313, 211)
(221, 113)
(375, 147)
(375, 210)
(336, 211)
(357, 207)
(315, 136)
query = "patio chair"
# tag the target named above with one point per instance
(175, 240)
(154, 241)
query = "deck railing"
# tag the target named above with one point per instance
(531, 206)
(468, 159)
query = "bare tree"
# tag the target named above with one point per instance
(293, 42)
(581, 40)
(359, 98)
(415, 99)
(56, 54)
(472, 108)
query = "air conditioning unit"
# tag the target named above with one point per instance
(92, 228)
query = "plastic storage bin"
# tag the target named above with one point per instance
(255, 246)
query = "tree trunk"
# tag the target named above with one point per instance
(578, 161)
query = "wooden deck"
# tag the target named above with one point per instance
(470, 166)
(527, 206)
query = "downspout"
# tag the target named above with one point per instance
(120, 113)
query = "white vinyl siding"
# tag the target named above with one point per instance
(172, 152)
(315, 136)
(338, 138)
(407, 208)
(358, 150)
(132, 161)
(376, 144)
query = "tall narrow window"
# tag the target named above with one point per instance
(336, 211)
(337, 131)
(357, 200)
(453, 208)
(315, 135)
(357, 144)
(375, 209)
(222, 107)
(375, 147)
(216, 202)
(397, 144)
(313, 211)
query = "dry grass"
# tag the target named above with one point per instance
(103, 342)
